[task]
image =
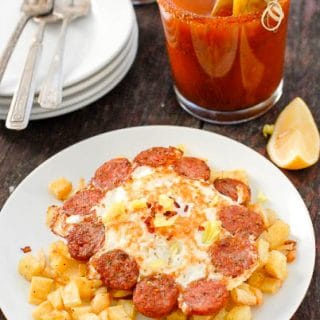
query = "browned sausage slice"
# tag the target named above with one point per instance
(112, 174)
(192, 168)
(233, 255)
(82, 202)
(241, 221)
(85, 239)
(156, 296)
(158, 156)
(232, 188)
(117, 270)
(204, 297)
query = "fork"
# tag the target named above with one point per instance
(50, 96)
(21, 104)
(29, 9)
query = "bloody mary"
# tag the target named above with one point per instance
(226, 68)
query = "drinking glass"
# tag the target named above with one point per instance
(226, 69)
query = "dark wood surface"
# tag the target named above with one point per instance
(146, 97)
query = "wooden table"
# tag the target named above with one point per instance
(145, 97)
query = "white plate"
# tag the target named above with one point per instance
(22, 219)
(79, 87)
(92, 41)
(99, 88)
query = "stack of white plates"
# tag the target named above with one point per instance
(100, 49)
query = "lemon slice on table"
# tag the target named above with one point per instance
(295, 142)
(246, 6)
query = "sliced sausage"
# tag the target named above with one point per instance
(112, 174)
(241, 221)
(85, 239)
(82, 202)
(204, 297)
(192, 168)
(156, 296)
(233, 188)
(117, 270)
(158, 156)
(233, 255)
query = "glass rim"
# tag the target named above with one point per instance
(184, 14)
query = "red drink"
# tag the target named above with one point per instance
(226, 68)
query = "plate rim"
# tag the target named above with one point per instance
(69, 83)
(182, 128)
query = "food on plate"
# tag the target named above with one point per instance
(163, 236)
(295, 142)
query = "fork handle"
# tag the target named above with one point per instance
(20, 108)
(50, 96)
(12, 42)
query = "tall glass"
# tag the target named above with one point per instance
(226, 69)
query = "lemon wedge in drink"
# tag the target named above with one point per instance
(220, 5)
(246, 6)
(295, 142)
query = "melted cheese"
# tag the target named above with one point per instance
(175, 243)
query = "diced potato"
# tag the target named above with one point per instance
(177, 315)
(60, 265)
(87, 287)
(270, 285)
(201, 317)
(101, 300)
(128, 307)
(277, 234)
(76, 312)
(257, 292)
(272, 216)
(48, 272)
(239, 313)
(30, 265)
(117, 313)
(42, 309)
(104, 315)
(221, 315)
(57, 315)
(82, 269)
(121, 293)
(263, 251)
(276, 265)
(289, 249)
(70, 295)
(89, 316)
(55, 299)
(59, 248)
(60, 188)
(257, 278)
(243, 295)
(39, 289)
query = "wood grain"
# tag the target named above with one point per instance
(146, 97)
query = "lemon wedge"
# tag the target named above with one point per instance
(219, 5)
(295, 142)
(246, 6)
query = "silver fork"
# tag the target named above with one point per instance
(50, 96)
(21, 104)
(29, 9)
